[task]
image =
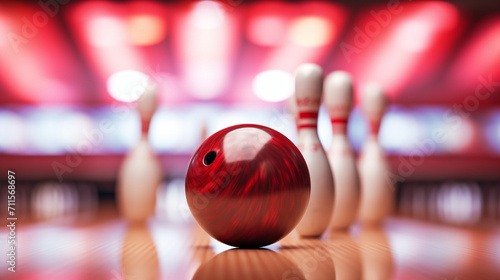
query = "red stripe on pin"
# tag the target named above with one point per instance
(309, 125)
(339, 126)
(308, 115)
(374, 128)
(145, 126)
(340, 121)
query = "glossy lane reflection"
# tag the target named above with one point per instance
(248, 264)
(376, 255)
(139, 256)
(345, 254)
(311, 256)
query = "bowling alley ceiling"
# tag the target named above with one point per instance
(245, 52)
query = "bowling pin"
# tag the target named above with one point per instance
(308, 91)
(338, 101)
(377, 190)
(140, 173)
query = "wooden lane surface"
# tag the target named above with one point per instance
(112, 249)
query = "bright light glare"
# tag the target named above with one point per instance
(273, 85)
(236, 141)
(266, 31)
(459, 139)
(207, 15)
(145, 30)
(3, 30)
(492, 130)
(311, 31)
(497, 134)
(409, 132)
(206, 80)
(415, 35)
(127, 85)
(106, 32)
(73, 128)
(44, 129)
(460, 203)
(13, 124)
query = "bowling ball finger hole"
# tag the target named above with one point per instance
(209, 158)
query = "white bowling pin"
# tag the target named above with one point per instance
(147, 105)
(377, 190)
(338, 100)
(308, 91)
(140, 173)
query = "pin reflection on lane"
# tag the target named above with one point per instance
(139, 255)
(346, 255)
(376, 255)
(311, 256)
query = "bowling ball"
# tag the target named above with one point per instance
(247, 186)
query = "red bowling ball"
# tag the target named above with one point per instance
(248, 186)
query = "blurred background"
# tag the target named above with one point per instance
(66, 126)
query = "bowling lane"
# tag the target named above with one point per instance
(110, 248)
